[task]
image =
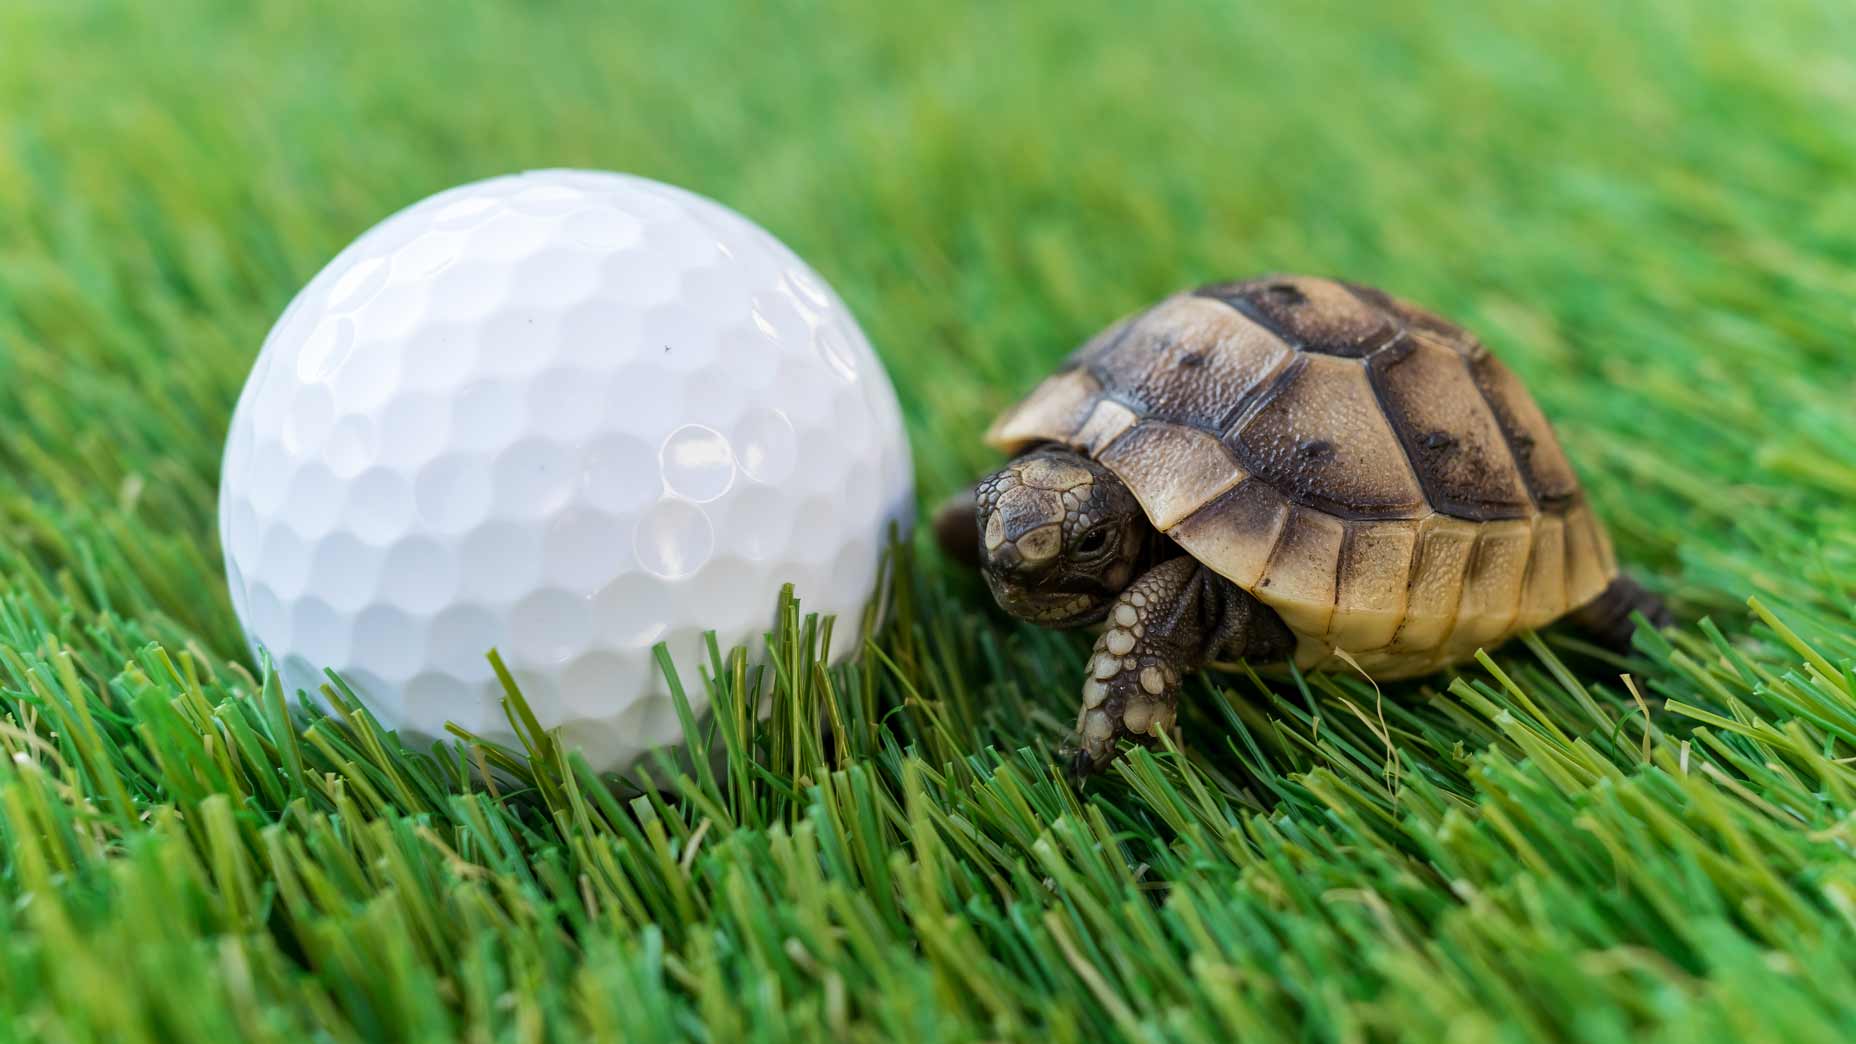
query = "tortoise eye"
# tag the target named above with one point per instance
(1093, 542)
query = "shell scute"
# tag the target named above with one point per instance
(1589, 565)
(1543, 588)
(1449, 433)
(1321, 438)
(1315, 315)
(1492, 582)
(1236, 532)
(1172, 469)
(1436, 586)
(1374, 585)
(1537, 454)
(1300, 580)
(1054, 409)
(1190, 361)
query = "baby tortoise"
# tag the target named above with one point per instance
(1286, 468)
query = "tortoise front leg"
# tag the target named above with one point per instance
(956, 527)
(1169, 622)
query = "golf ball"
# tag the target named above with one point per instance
(565, 415)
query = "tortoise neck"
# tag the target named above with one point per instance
(1157, 548)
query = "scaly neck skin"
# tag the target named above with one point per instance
(1156, 547)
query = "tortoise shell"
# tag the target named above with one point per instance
(1358, 464)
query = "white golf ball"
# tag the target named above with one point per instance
(566, 415)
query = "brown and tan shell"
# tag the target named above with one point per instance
(1363, 467)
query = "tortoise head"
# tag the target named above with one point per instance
(1059, 537)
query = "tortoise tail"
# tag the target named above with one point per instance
(1607, 618)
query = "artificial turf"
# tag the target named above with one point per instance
(1645, 209)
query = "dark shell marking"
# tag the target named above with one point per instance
(1311, 315)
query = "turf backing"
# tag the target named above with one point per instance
(1643, 208)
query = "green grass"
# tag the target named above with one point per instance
(1644, 208)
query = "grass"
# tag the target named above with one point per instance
(1643, 208)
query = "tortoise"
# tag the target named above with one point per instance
(1282, 469)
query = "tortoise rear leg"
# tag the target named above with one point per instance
(1168, 623)
(1606, 619)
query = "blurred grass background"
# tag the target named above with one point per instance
(1645, 209)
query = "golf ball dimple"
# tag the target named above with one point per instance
(565, 415)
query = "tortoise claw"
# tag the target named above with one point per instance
(1084, 758)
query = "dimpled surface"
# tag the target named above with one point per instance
(566, 415)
